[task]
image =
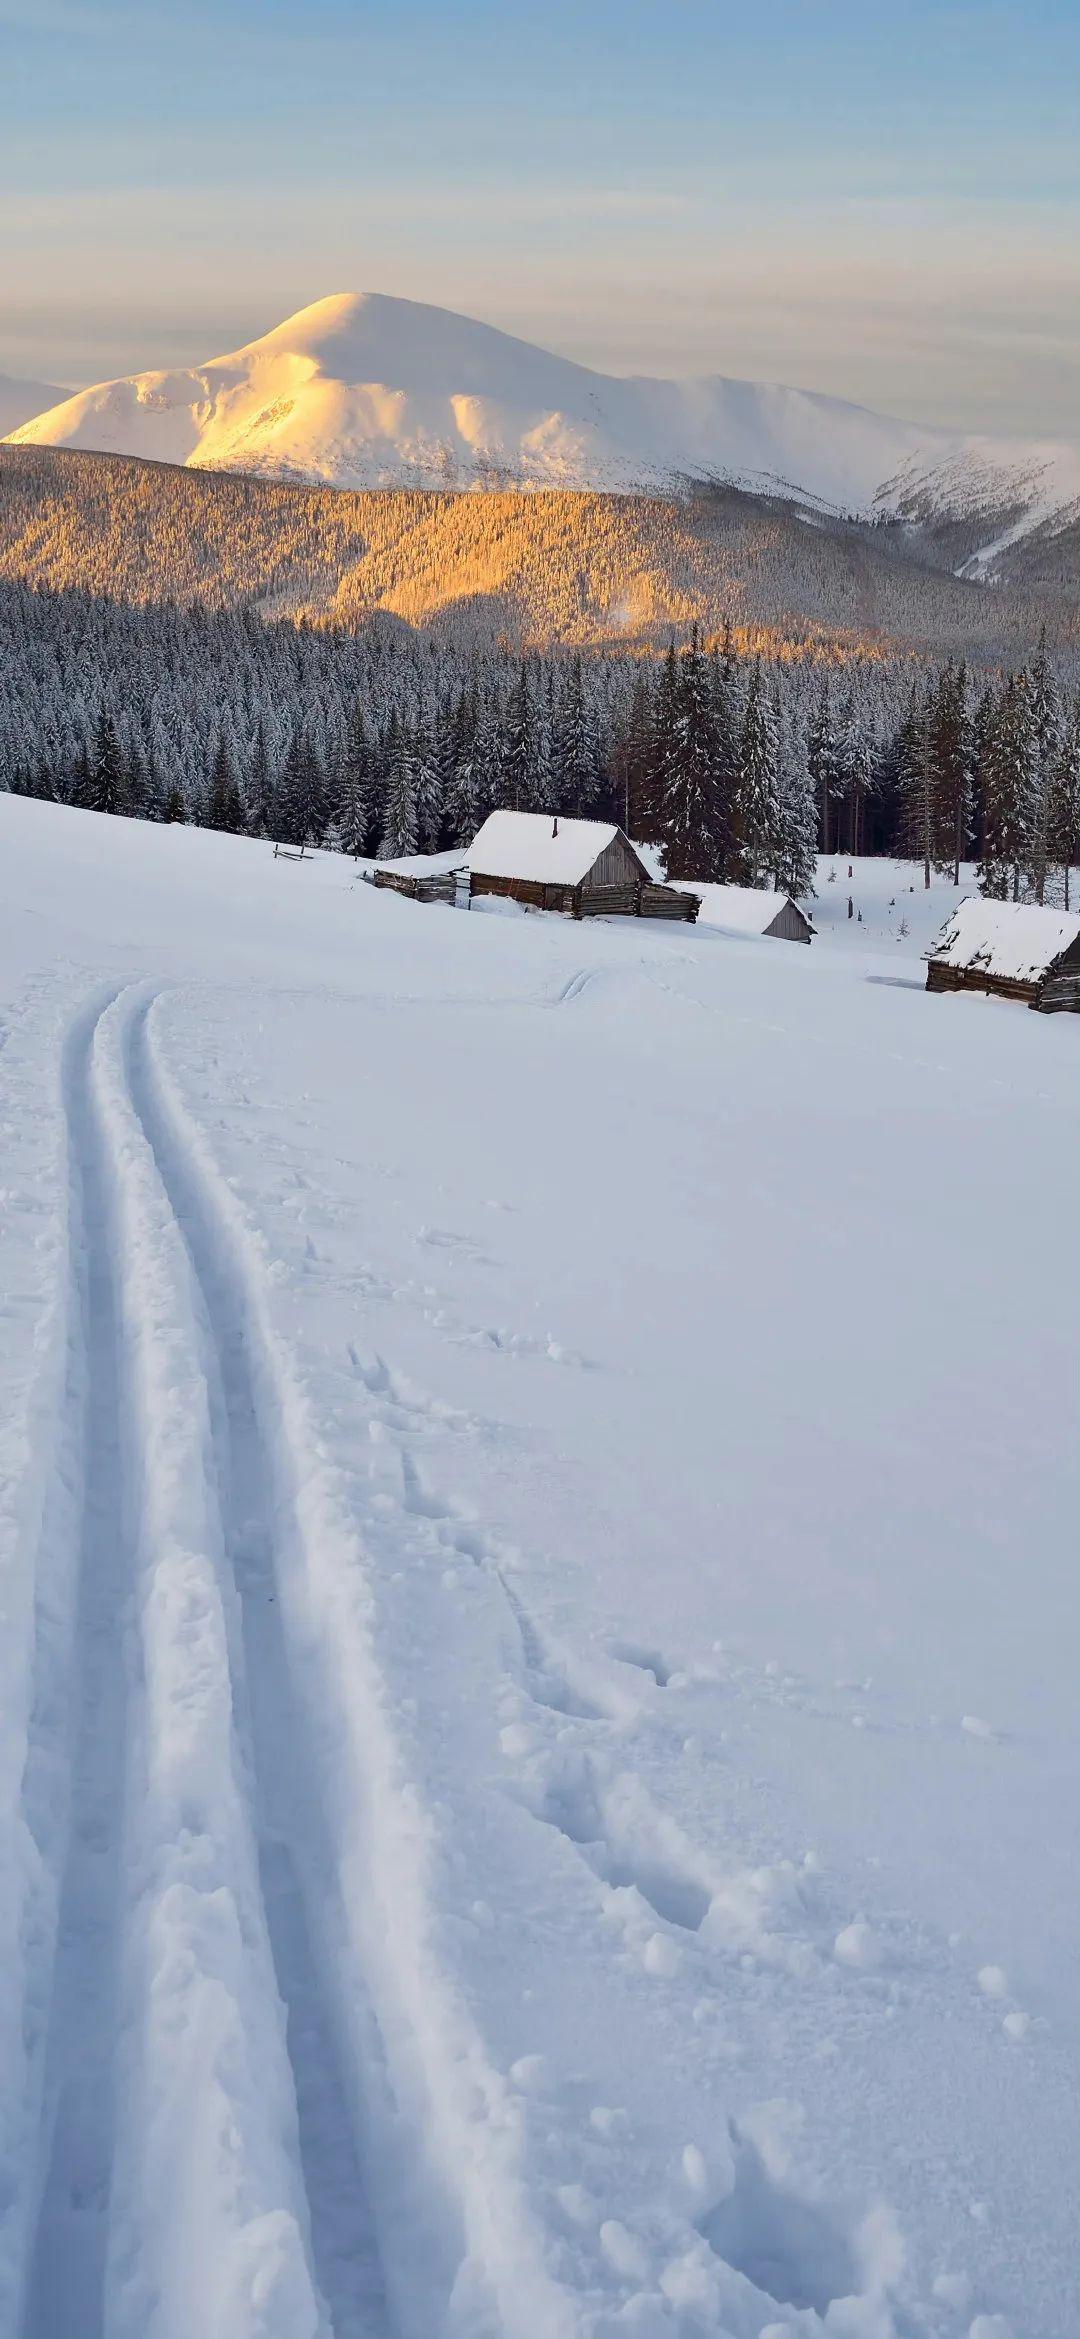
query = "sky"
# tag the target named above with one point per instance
(881, 201)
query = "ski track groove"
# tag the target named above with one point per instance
(286, 1817)
(66, 2260)
(83, 1737)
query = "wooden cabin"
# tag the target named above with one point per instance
(746, 909)
(585, 868)
(1013, 949)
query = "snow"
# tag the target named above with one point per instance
(485, 1405)
(533, 845)
(1017, 941)
(362, 390)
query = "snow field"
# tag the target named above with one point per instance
(567, 1839)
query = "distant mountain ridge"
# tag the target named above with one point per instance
(362, 390)
(548, 567)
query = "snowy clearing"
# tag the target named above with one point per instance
(538, 1742)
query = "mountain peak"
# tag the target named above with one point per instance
(363, 389)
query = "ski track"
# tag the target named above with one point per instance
(294, 1859)
(77, 1755)
(90, 1766)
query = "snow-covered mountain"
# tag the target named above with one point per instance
(20, 401)
(362, 390)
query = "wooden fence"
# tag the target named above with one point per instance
(574, 901)
(443, 886)
(637, 901)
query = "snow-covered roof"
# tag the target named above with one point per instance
(1016, 941)
(744, 908)
(538, 846)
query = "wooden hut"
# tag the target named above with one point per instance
(1014, 949)
(746, 909)
(585, 868)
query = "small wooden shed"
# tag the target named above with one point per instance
(1014, 949)
(585, 868)
(746, 909)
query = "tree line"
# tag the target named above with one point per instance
(383, 740)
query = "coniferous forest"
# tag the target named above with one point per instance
(385, 740)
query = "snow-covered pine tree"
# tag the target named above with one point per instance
(461, 814)
(294, 810)
(1045, 712)
(1063, 819)
(917, 801)
(664, 751)
(577, 775)
(106, 778)
(138, 799)
(428, 793)
(354, 807)
(822, 762)
(949, 745)
(1009, 792)
(759, 785)
(689, 801)
(796, 858)
(399, 836)
(224, 809)
(520, 758)
(489, 759)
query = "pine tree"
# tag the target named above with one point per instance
(664, 758)
(461, 815)
(520, 756)
(577, 768)
(822, 761)
(760, 824)
(1045, 716)
(1010, 786)
(399, 837)
(295, 810)
(224, 808)
(427, 792)
(689, 808)
(354, 804)
(138, 797)
(796, 857)
(106, 778)
(949, 744)
(1063, 821)
(260, 804)
(918, 838)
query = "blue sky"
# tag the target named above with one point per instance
(883, 202)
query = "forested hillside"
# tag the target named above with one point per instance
(381, 739)
(537, 569)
